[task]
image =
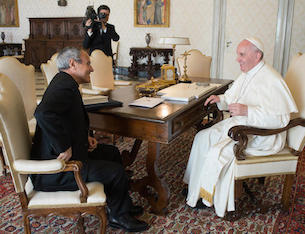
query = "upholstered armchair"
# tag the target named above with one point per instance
(49, 69)
(89, 199)
(285, 161)
(24, 78)
(102, 76)
(198, 64)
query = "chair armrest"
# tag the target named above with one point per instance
(39, 166)
(214, 115)
(76, 166)
(239, 133)
(51, 167)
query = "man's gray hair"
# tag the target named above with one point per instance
(65, 55)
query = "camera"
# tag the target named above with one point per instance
(102, 15)
(90, 14)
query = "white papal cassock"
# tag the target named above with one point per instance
(209, 172)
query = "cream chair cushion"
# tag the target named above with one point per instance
(102, 76)
(295, 79)
(258, 166)
(96, 197)
(198, 65)
(49, 69)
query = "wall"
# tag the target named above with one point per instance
(298, 28)
(190, 18)
(187, 20)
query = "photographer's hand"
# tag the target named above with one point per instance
(88, 24)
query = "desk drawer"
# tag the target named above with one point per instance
(187, 119)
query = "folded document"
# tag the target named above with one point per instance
(148, 102)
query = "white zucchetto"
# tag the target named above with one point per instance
(256, 42)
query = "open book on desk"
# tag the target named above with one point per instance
(185, 92)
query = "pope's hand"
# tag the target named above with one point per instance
(237, 109)
(65, 155)
(212, 99)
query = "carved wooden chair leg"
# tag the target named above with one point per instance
(80, 224)
(4, 167)
(101, 213)
(26, 223)
(287, 191)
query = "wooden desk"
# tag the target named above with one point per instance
(147, 52)
(158, 125)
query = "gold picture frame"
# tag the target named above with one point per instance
(151, 13)
(9, 13)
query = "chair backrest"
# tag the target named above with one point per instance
(295, 79)
(197, 64)
(24, 78)
(115, 51)
(14, 128)
(102, 76)
(49, 69)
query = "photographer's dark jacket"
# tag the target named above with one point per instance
(101, 40)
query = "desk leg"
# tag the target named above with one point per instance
(159, 204)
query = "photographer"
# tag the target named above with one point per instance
(99, 32)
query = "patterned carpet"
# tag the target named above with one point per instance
(181, 218)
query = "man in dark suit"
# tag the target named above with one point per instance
(99, 33)
(63, 132)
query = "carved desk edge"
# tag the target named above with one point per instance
(239, 133)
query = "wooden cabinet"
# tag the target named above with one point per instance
(49, 35)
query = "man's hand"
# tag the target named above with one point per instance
(212, 99)
(88, 24)
(65, 155)
(237, 109)
(92, 143)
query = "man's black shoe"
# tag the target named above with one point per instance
(136, 210)
(127, 223)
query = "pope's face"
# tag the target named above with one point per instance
(247, 56)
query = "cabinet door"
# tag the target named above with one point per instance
(35, 52)
(39, 29)
(57, 30)
(53, 47)
(75, 29)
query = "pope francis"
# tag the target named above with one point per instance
(259, 97)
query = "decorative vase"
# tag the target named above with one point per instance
(2, 36)
(147, 39)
